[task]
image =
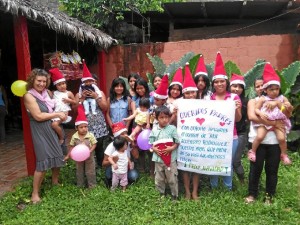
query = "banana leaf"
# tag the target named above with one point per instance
(193, 64)
(126, 82)
(231, 68)
(158, 64)
(186, 58)
(290, 75)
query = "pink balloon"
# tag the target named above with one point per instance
(80, 153)
(143, 140)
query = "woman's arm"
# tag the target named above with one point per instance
(32, 106)
(102, 102)
(238, 110)
(70, 99)
(108, 118)
(173, 119)
(70, 147)
(148, 121)
(253, 117)
(131, 117)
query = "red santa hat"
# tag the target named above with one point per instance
(237, 79)
(56, 76)
(189, 83)
(201, 68)
(86, 75)
(163, 144)
(118, 128)
(81, 118)
(162, 90)
(270, 76)
(177, 79)
(219, 71)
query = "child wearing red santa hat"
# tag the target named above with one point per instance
(165, 142)
(83, 136)
(273, 106)
(88, 85)
(63, 98)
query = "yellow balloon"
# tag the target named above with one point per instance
(19, 88)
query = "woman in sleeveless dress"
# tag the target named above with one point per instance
(47, 149)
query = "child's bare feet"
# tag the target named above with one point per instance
(195, 196)
(188, 196)
(129, 138)
(251, 155)
(285, 159)
(35, 199)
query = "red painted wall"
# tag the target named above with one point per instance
(280, 50)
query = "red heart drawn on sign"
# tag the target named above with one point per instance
(182, 121)
(200, 120)
(222, 124)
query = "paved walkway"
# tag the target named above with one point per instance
(13, 165)
(12, 160)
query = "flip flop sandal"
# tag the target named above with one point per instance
(249, 200)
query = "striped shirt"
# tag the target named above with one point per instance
(168, 132)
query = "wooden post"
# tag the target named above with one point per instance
(102, 71)
(24, 68)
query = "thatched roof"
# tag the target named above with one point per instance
(58, 21)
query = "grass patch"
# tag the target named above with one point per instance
(141, 204)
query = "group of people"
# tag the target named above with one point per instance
(128, 112)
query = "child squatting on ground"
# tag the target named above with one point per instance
(83, 136)
(164, 133)
(120, 167)
(273, 106)
(63, 98)
(88, 85)
(142, 117)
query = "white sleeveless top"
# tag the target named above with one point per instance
(60, 106)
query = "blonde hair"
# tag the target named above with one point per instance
(35, 73)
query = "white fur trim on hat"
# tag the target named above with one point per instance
(175, 82)
(270, 83)
(155, 95)
(166, 140)
(87, 78)
(201, 73)
(238, 82)
(80, 122)
(220, 76)
(58, 81)
(189, 89)
(119, 132)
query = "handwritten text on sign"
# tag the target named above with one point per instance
(205, 129)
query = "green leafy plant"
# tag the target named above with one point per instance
(290, 81)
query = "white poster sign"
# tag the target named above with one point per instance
(205, 129)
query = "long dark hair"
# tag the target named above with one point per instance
(112, 93)
(141, 81)
(207, 84)
(134, 75)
